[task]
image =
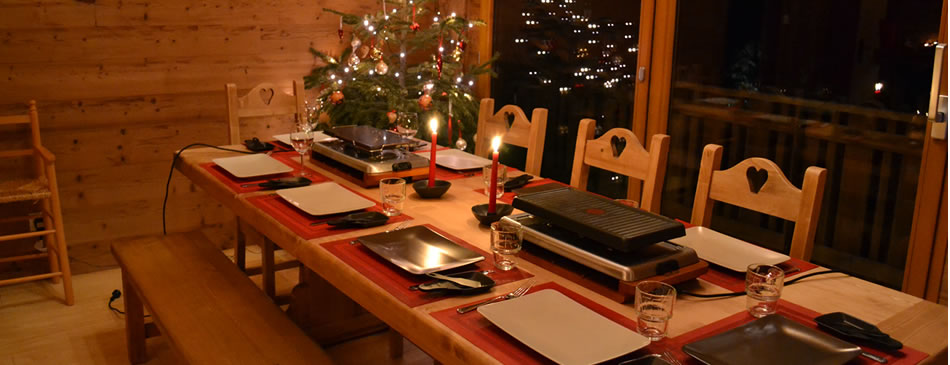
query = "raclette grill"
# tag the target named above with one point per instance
(602, 220)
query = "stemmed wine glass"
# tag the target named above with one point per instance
(302, 138)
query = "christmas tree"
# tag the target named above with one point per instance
(396, 73)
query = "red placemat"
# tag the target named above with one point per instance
(397, 281)
(235, 183)
(509, 196)
(499, 344)
(302, 223)
(797, 313)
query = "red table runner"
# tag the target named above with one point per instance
(499, 344)
(509, 196)
(797, 313)
(302, 223)
(397, 281)
(235, 184)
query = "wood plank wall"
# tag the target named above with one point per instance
(121, 84)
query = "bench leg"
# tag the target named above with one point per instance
(239, 245)
(267, 267)
(134, 322)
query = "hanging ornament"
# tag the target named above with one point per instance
(415, 26)
(353, 61)
(392, 116)
(461, 45)
(355, 43)
(425, 101)
(336, 97)
(439, 57)
(339, 30)
(381, 67)
(375, 52)
(363, 51)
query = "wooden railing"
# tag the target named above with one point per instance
(872, 155)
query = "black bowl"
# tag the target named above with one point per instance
(425, 192)
(481, 213)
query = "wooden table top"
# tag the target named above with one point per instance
(915, 322)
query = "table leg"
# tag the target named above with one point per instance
(134, 322)
(395, 344)
(267, 267)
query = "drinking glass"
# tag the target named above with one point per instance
(392, 192)
(301, 139)
(654, 304)
(505, 245)
(407, 124)
(763, 287)
(502, 178)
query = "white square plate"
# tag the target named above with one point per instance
(258, 164)
(325, 198)
(731, 253)
(317, 137)
(561, 329)
(457, 159)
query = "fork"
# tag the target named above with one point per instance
(514, 294)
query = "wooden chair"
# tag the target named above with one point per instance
(758, 184)
(262, 101)
(521, 132)
(620, 151)
(41, 186)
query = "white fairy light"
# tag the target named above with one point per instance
(332, 77)
(402, 54)
(365, 22)
(470, 83)
(396, 74)
(435, 19)
(346, 69)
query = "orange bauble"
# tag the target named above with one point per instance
(336, 97)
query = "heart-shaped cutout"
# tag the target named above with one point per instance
(757, 178)
(509, 119)
(267, 95)
(617, 144)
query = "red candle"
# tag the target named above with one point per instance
(492, 194)
(433, 125)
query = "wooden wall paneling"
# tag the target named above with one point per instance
(123, 84)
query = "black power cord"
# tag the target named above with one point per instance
(741, 293)
(115, 295)
(172, 170)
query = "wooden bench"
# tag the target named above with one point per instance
(206, 308)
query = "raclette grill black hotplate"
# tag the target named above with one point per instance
(609, 223)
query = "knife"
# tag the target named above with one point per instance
(460, 281)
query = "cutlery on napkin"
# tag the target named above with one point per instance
(281, 183)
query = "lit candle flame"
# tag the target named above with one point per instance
(495, 143)
(433, 125)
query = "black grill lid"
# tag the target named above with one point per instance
(603, 220)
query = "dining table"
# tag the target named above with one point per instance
(436, 328)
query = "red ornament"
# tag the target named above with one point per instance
(425, 101)
(339, 31)
(392, 116)
(336, 97)
(461, 44)
(414, 26)
(439, 57)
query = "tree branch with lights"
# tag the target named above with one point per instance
(396, 73)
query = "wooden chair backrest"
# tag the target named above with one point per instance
(776, 196)
(620, 151)
(522, 132)
(264, 100)
(35, 143)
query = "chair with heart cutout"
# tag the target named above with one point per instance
(511, 123)
(760, 185)
(620, 151)
(265, 110)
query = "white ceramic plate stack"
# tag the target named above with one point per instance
(561, 329)
(731, 253)
(325, 198)
(246, 166)
(456, 159)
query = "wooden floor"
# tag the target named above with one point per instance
(37, 328)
